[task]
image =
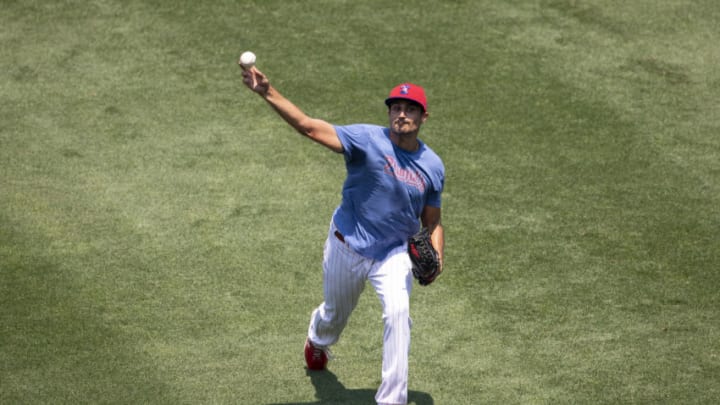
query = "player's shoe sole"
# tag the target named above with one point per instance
(315, 357)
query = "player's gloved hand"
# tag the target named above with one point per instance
(424, 257)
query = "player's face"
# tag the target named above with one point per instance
(406, 117)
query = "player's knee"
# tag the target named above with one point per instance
(397, 312)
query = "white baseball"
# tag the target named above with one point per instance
(247, 59)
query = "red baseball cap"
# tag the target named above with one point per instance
(408, 91)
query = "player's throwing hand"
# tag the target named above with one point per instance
(254, 79)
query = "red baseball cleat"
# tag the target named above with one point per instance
(315, 357)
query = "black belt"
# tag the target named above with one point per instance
(340, 236)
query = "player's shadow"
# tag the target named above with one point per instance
(330, 391)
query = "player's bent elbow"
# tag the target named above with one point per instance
(324, 134)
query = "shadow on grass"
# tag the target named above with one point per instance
(330, 391)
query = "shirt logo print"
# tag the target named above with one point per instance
(410, 177)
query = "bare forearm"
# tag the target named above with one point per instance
(430, 219)
(289, 112)
(438, 240)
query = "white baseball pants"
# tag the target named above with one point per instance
(344, 275)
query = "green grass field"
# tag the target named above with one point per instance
(161, 229)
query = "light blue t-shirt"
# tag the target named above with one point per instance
(385, 190)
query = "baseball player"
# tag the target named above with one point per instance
(393, 187)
